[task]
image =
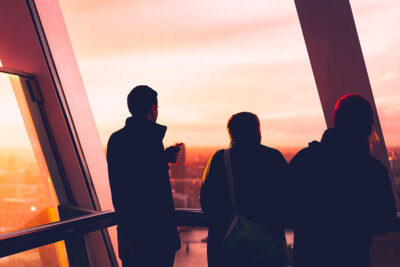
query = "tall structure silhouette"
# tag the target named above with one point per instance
(178, 168)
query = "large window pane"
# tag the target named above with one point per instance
(26, 191)
(27, 196)
(207, 60)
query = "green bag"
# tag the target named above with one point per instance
(250, 240)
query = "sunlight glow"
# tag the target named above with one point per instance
(206, 62)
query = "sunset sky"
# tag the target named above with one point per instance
(209, 59)
(378, 29)
(13, 133)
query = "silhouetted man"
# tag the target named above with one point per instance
(258, 175)
(140, 185)
(341, 194)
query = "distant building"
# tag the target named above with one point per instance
(12, 164)
(178, 168)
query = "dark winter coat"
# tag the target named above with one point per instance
(258, 173)
(140, 186)
(341, 196)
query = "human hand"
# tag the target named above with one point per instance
(172, 152)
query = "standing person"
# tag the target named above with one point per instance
(340, 193)
(140, 185)
(258, 173)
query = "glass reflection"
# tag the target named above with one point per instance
(27, 196)
(52, 255)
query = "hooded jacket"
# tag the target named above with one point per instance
(341, 196)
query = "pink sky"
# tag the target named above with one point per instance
(209, 59)
(378, 29)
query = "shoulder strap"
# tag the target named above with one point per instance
(228, 168)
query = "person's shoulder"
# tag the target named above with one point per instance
(306, 153)
(117, 139)
(114, 144)
(117, 135)
(270, 150)
(218, 154)
(216, 158)
(303, 152)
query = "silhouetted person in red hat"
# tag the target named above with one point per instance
(341, 195)
(140, 185)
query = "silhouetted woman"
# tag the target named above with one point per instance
(257, 237)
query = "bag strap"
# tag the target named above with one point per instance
(228, 168)
(229, 176)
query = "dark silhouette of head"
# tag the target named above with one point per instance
(353, 115)
(142, 102)
(244, 126)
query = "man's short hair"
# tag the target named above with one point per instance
(243, 125)
(141, 99)
(353, 113)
